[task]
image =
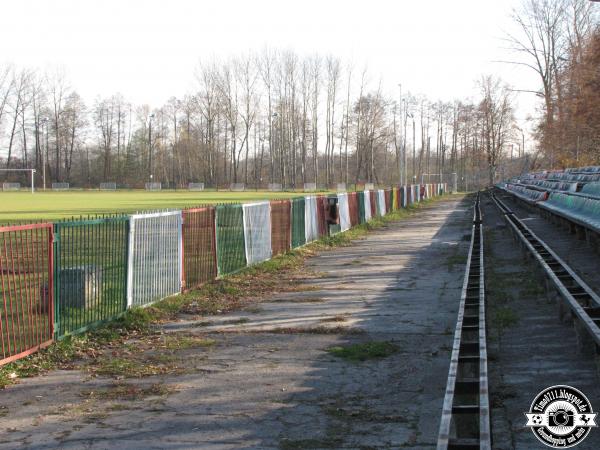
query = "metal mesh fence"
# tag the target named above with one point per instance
(108, 186)
(298, 234)
(231, 249)
(90, 272)
(281, 226)
(6, 186)
(199, 246)
(153, 186)
(311, 225)
(26, 290)
(195, 186)
(155, 245)
(60, 186)
(257, 231)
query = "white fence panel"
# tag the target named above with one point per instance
(108, 186)
(257, 231)
(275, 187)
(367, 205)
(237, 187)
(60, 186)
(311, 224)
(195, 186)
(11, 186)
(341, 187)
(155, 257)
(381, 202)
(310, 187)
(344, 209)
(153, 186)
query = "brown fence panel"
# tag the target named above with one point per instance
(281, 226)
(322, 205)
(388, 200)
(373, 195)
(26, 290)
(199, 246)
(353, 206)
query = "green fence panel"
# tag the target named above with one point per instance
(361, 206)
(231, 247)
(90, 273)
(298, 227)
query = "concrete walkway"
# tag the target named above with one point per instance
(269, 381)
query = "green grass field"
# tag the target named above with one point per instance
(24, 206)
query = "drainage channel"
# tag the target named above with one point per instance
(576, 300)
(465, 422)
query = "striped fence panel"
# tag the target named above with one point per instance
(353, 208)
(155, 262)
(26, 290)
(298, 210)
(90, 273)
(368, 209)
(281, 226)
(311, 224)
(257, 231)
(231, 246)
(199, 246)
(344, 211)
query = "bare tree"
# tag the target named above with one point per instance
(497, 120)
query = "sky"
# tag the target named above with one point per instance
(148, 50)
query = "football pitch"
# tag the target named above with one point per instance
(24, 206)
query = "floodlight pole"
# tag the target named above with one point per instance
(44, 153)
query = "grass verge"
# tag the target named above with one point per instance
(251, 285)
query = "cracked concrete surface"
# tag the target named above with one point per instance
(269, 382)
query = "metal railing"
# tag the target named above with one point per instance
(26, 290)
(465, 422)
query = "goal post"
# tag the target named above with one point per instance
(32, 171)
